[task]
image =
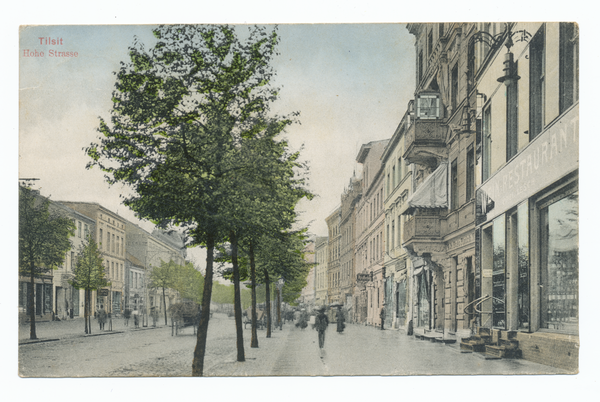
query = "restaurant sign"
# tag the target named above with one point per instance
(550, 156)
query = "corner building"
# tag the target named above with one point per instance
(492, 224)
(527, 86)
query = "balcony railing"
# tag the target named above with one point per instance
(424, 140)
(422, 227)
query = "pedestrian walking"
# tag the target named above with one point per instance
(340, 320)
(101, 317)
(136, 319)
(321, 323)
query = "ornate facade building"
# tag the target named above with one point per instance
(370, 243)
(397, 188)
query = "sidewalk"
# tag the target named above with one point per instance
(54, 330)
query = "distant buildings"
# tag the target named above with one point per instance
(129, 254)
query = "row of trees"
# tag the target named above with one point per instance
(193, 136)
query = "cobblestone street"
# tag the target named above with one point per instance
(360, 350)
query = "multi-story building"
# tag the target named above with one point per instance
(321, 253)
(526, 84)
(398, 187)
(147, 251)
(370, 243)
(110, 235)
(54, 297)
(333, 260)
(308, 292)
(440, 215)
(350, 197)
(492, 226)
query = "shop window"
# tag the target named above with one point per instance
(523, 266)
(560, 265)
(537, 70)
(569, 65)
(499, 273)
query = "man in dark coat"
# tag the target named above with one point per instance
(321, 323)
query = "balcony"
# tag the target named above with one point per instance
(425, 140)
(422, 227)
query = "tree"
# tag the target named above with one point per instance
(89, 274)
(43, 241)
(181, 110)
(189, 282)
(163, 277)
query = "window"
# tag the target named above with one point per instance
(569, 65)
(536, 83)
(512, 117)
(72, 260)
(470, 173)
(441, 30)
(118, 244)
(454, 185)
(454, 88)
(79, 229)
(487, 143)
(400, 173)
(85, 231)
(113, 243)
(428, 106)
(100, 245)
(394, 177)
(430, 43)
(560, 265)
(420, 67)
(107, 241)
(393, 232)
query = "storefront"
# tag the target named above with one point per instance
(529, 245)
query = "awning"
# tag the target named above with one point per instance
(433, 192)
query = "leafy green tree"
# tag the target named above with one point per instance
(89, 274)
(163, 277)
(189, 282)
(43, 241)
(182, 110)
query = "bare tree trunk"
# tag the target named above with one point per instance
(268, 303)
(254, 339)
(279, 308)
(30, 302)
(237, 302)
(85, 309)
(164, 305)
(200, 350)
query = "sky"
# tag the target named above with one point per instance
(351, 84)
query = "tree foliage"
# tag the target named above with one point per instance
(89, 274)
(186, 116)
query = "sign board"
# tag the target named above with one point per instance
(102, 292)
(363, 277)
